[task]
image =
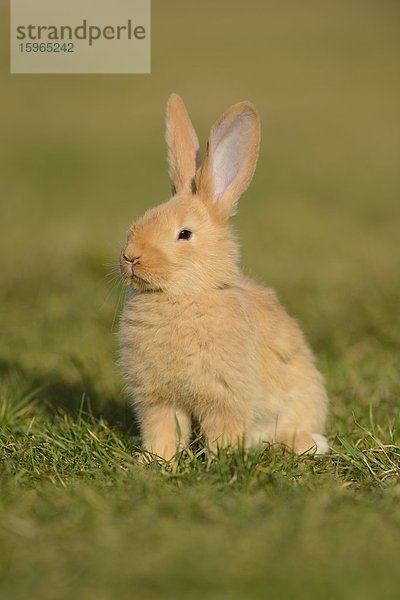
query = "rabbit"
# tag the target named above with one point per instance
(199, 341)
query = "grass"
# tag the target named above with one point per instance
(80, 157)
(80, 516)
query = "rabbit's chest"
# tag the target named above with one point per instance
(177, 352)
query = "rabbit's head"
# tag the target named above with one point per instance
(186, 244)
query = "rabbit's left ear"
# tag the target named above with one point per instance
(231, 159)
(183, 146)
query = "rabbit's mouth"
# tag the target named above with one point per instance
(135, 277)
(139, 282)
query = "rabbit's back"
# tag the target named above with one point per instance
(293, 389)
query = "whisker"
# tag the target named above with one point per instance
(110, 277)
(121, 298)
(112, 284)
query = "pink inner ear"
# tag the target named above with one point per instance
(230, 147)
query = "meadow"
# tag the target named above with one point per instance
(80, 157)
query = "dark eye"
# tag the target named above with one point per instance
(185, 234)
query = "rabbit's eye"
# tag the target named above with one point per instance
(185, 234)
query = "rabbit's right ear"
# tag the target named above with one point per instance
(231, 159)
(183, 146)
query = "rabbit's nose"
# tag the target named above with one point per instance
(134, 260)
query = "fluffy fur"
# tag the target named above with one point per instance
(200, 342)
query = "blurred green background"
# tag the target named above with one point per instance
(81, 156)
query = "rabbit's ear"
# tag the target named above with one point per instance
(183, 146)
(231, 159)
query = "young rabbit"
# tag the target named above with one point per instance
(200, 342)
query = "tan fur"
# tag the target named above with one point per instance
(199, 340)
(183, 146)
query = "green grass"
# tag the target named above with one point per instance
(80, 516)
(79, 158)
